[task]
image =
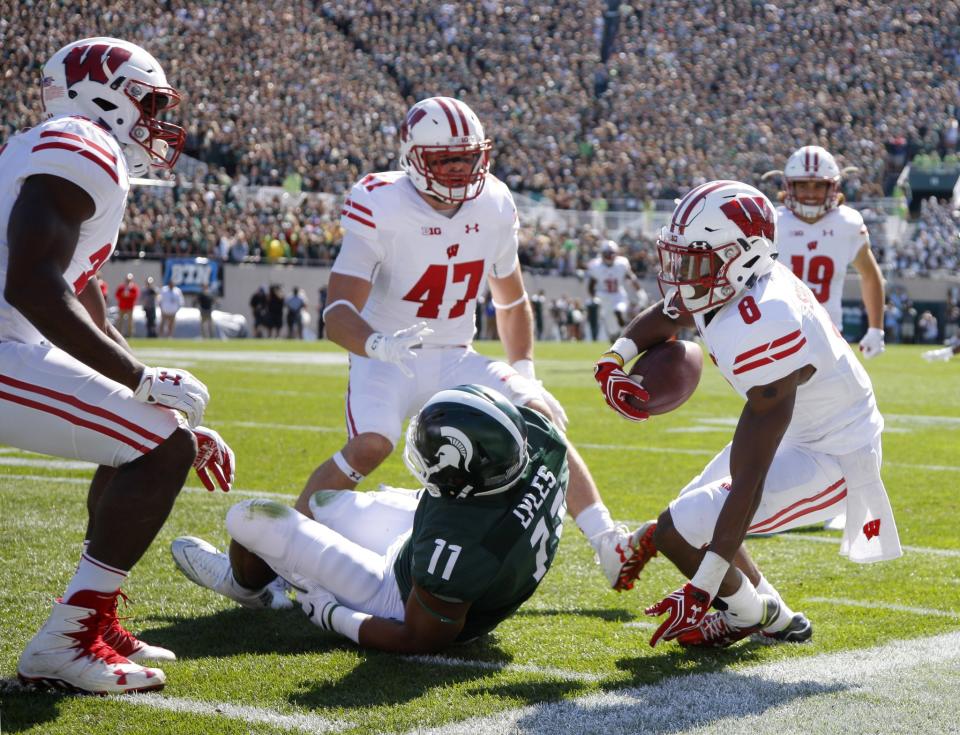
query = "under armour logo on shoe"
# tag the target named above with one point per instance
(472, 228)
(175, 379)
(871, 528)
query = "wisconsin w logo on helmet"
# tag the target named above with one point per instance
(753, 215)
(87, 62)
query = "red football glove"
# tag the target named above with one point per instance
(685, 609)
(617, 386)
(213, 457)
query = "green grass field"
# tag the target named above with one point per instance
(885, 656)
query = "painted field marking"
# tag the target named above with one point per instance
(927, 611)
(548, 671)
(794, 695)
(836, 541)
(246, 356)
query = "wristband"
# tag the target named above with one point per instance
(525, 368)
(626, 348)
(710, 573)
(374, 341)
(347, 622)
(340, 302)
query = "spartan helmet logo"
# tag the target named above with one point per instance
(451, 454)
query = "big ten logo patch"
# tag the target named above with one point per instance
(428, 231)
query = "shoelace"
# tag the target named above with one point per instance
(114, 634)
(90, 637)
(714, 627)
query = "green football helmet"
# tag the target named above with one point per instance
(467, 441)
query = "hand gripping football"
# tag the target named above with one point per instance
(670, 372)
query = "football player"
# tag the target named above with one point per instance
(611, 271)
(419, 245)
(943, 354)
(413, 571)
(819, 237)
(807, 443)
(69, 385)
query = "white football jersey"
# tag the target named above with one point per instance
(611, 279)
(80, 151)
(777, 327)
(423, 265)
(820, 253)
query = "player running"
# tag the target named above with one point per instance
(607, 276)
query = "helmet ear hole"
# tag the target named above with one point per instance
(104, 105)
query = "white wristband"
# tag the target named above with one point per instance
(626, 348)
(347, 622)
(525, 368)
(373, 344)
(710, 573)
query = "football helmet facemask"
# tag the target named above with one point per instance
(120, 86)
(719, 241)
(467, 441)
(811, 163)
(444, 151)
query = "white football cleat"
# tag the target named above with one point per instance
(941, 355)
(205, 565)
(128, 645)
(623, 555)
(69, 651)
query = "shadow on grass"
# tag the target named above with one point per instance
(23, 708)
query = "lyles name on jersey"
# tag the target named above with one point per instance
(425, 266)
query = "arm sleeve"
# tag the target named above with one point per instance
(506, 261)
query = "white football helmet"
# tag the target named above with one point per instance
(811, 163)
(436, 130)
(609, 250)
(121, 87)
(719, 241)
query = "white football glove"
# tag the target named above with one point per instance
(213, 457)
(941, 355)
(397, 349)
(175, 389)
(318, 604)
(872, 343)
(525, 368)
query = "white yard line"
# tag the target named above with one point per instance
(547, 671)
(286, 427)
(50, 464)
(304, 722)
(910, 682)
(836, 542)
(926, 611)
(254, 357)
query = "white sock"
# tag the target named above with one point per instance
(786, 614)
(594, 520)
(744, 607)
(94, 575)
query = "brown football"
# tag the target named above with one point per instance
(670, 372)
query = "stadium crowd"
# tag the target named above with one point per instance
(587, 108)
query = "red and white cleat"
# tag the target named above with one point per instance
(717, 629)
(623, 555)
(127, 644)
(69, 651)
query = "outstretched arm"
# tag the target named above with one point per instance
(871, 286)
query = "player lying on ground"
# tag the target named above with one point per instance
(807, 443)
(412, 571)
(69, 385)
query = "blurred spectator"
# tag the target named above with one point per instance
(258, 308)
(321, 305)
(295, 304)
(171, 301)
(205, 303)
(104, 288)
(148, 299)
(127, 294)
(275, 302)
(927, 327)
(891, 321)
(908, 323)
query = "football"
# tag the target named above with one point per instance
(670, 372)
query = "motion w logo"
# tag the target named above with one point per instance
(89, 61)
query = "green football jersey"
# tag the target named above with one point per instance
(491, 551)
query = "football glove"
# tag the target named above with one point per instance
(175, 389)
(941, 355)
(872, 343)
(397, 349)
(616, 386)
(215, 458)
(525, 368)
(685, 609)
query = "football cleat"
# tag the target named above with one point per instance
(69, 652)
(127, 644)
(205, 565)
(717, 630)
(623, 555)
(798, 630)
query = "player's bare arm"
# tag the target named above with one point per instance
(871, 286)
(429, 625)
(651, 327)
(762, 423)
(43, 232)
(514, 315)
(346, 297)
(92, 300)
